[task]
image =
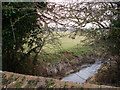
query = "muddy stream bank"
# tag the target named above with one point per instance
(71, 65)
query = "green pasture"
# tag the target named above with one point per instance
(66, 44)
(77, 46)
(52, 52)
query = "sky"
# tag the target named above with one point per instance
(83, 1)
(66, 1)
(89, 25)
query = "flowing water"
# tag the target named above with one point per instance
(84, 73)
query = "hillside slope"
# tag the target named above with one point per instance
(15, 80)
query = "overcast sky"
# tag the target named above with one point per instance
(83, 1)
(89, 25)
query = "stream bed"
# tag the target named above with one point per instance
(84, 73)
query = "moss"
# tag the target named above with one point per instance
(18, 84)
(23, 78)
(65, 85)
(81, 88)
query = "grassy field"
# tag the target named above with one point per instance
(56, 53)
(66, 44)
(77, 46)
(69, 42)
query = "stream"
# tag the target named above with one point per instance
(84, 73)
